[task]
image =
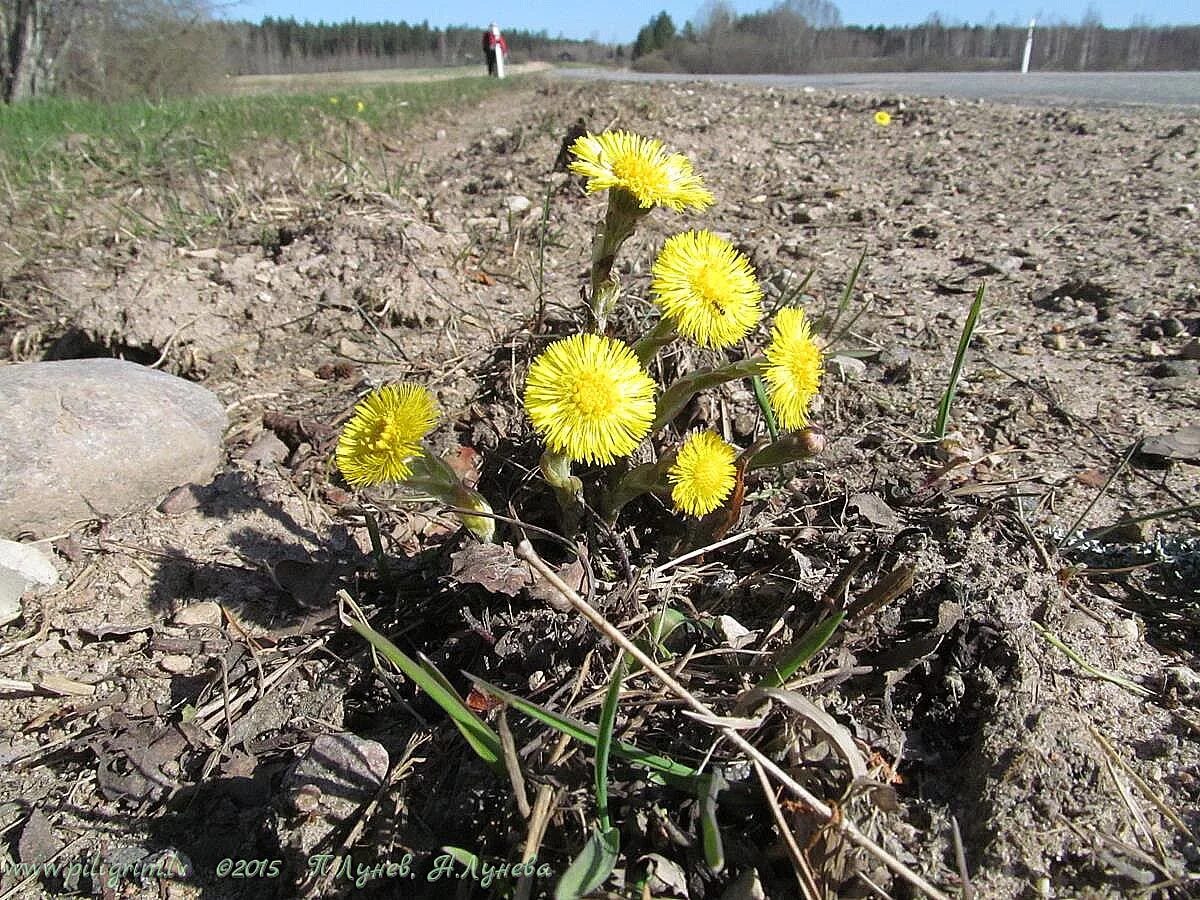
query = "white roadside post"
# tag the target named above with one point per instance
(499, 62)
(1028, 48)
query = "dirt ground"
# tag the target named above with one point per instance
(954, 685)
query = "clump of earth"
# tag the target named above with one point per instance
(1022, 667)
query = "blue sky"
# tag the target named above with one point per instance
(619, 22)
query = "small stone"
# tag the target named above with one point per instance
(21, 567)
(1191, 350)
(1152, 330)
(1173, 327)
(49, 648)
(38, 842)
(1128, 630)
(337, 775)
(1174, 368)
(517, 204)
(851, 368)
(132, 576)
(267, 448)
(176, 664)
(206, 612)
(184, 498)
(83, 438)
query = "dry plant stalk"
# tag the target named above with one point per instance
(526, 552)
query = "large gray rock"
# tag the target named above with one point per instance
(85, 438)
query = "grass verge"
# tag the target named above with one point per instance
(165, 169)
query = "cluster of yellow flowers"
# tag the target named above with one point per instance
(589, 396)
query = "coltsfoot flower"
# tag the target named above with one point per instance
(703, 475)
(793, 371)
(385, 433)
(883, 118)
(706, 288)
(589, 398)
(641, 167)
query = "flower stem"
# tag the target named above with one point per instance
(568, 490)
(432, 475)
(620, 221)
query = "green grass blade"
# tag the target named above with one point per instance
(844, 303)
(943, 412)
(710, 831)
(484, 741)
(592, 866)
(789, 296)
(760, 397)
(585, 734)
(785, 663)
(604, 740)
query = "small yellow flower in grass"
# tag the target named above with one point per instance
(359, 106)
(334, 101)
(883, 117)
(385, 433)
(589, 398)
(706, 288)
(793, 372)
(703, 475)
(640, 166)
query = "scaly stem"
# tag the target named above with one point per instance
(568, 490)
(620, 221)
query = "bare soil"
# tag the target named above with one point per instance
(1084, 225)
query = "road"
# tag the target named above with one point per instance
(1172, 89)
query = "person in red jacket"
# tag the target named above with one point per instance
(494, 50)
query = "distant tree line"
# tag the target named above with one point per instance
(109, 49)
(797, 36)
(118, 48)
(285, 46)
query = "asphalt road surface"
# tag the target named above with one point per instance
(1174, 89)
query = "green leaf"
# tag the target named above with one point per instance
(785, 663)
(592, 866)
(665, 623)
(964, 341)
(484, 741)
(637, 481)
(670, 770)
(676, 397)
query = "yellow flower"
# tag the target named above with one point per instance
(706, 288)
(589, 398)
(703, 475)
(793, 372)
(334, 101)
(883, 117)
(639, 166)
(385, 433)
(359, 106)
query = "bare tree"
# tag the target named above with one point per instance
(34, 36)
(107, 47)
